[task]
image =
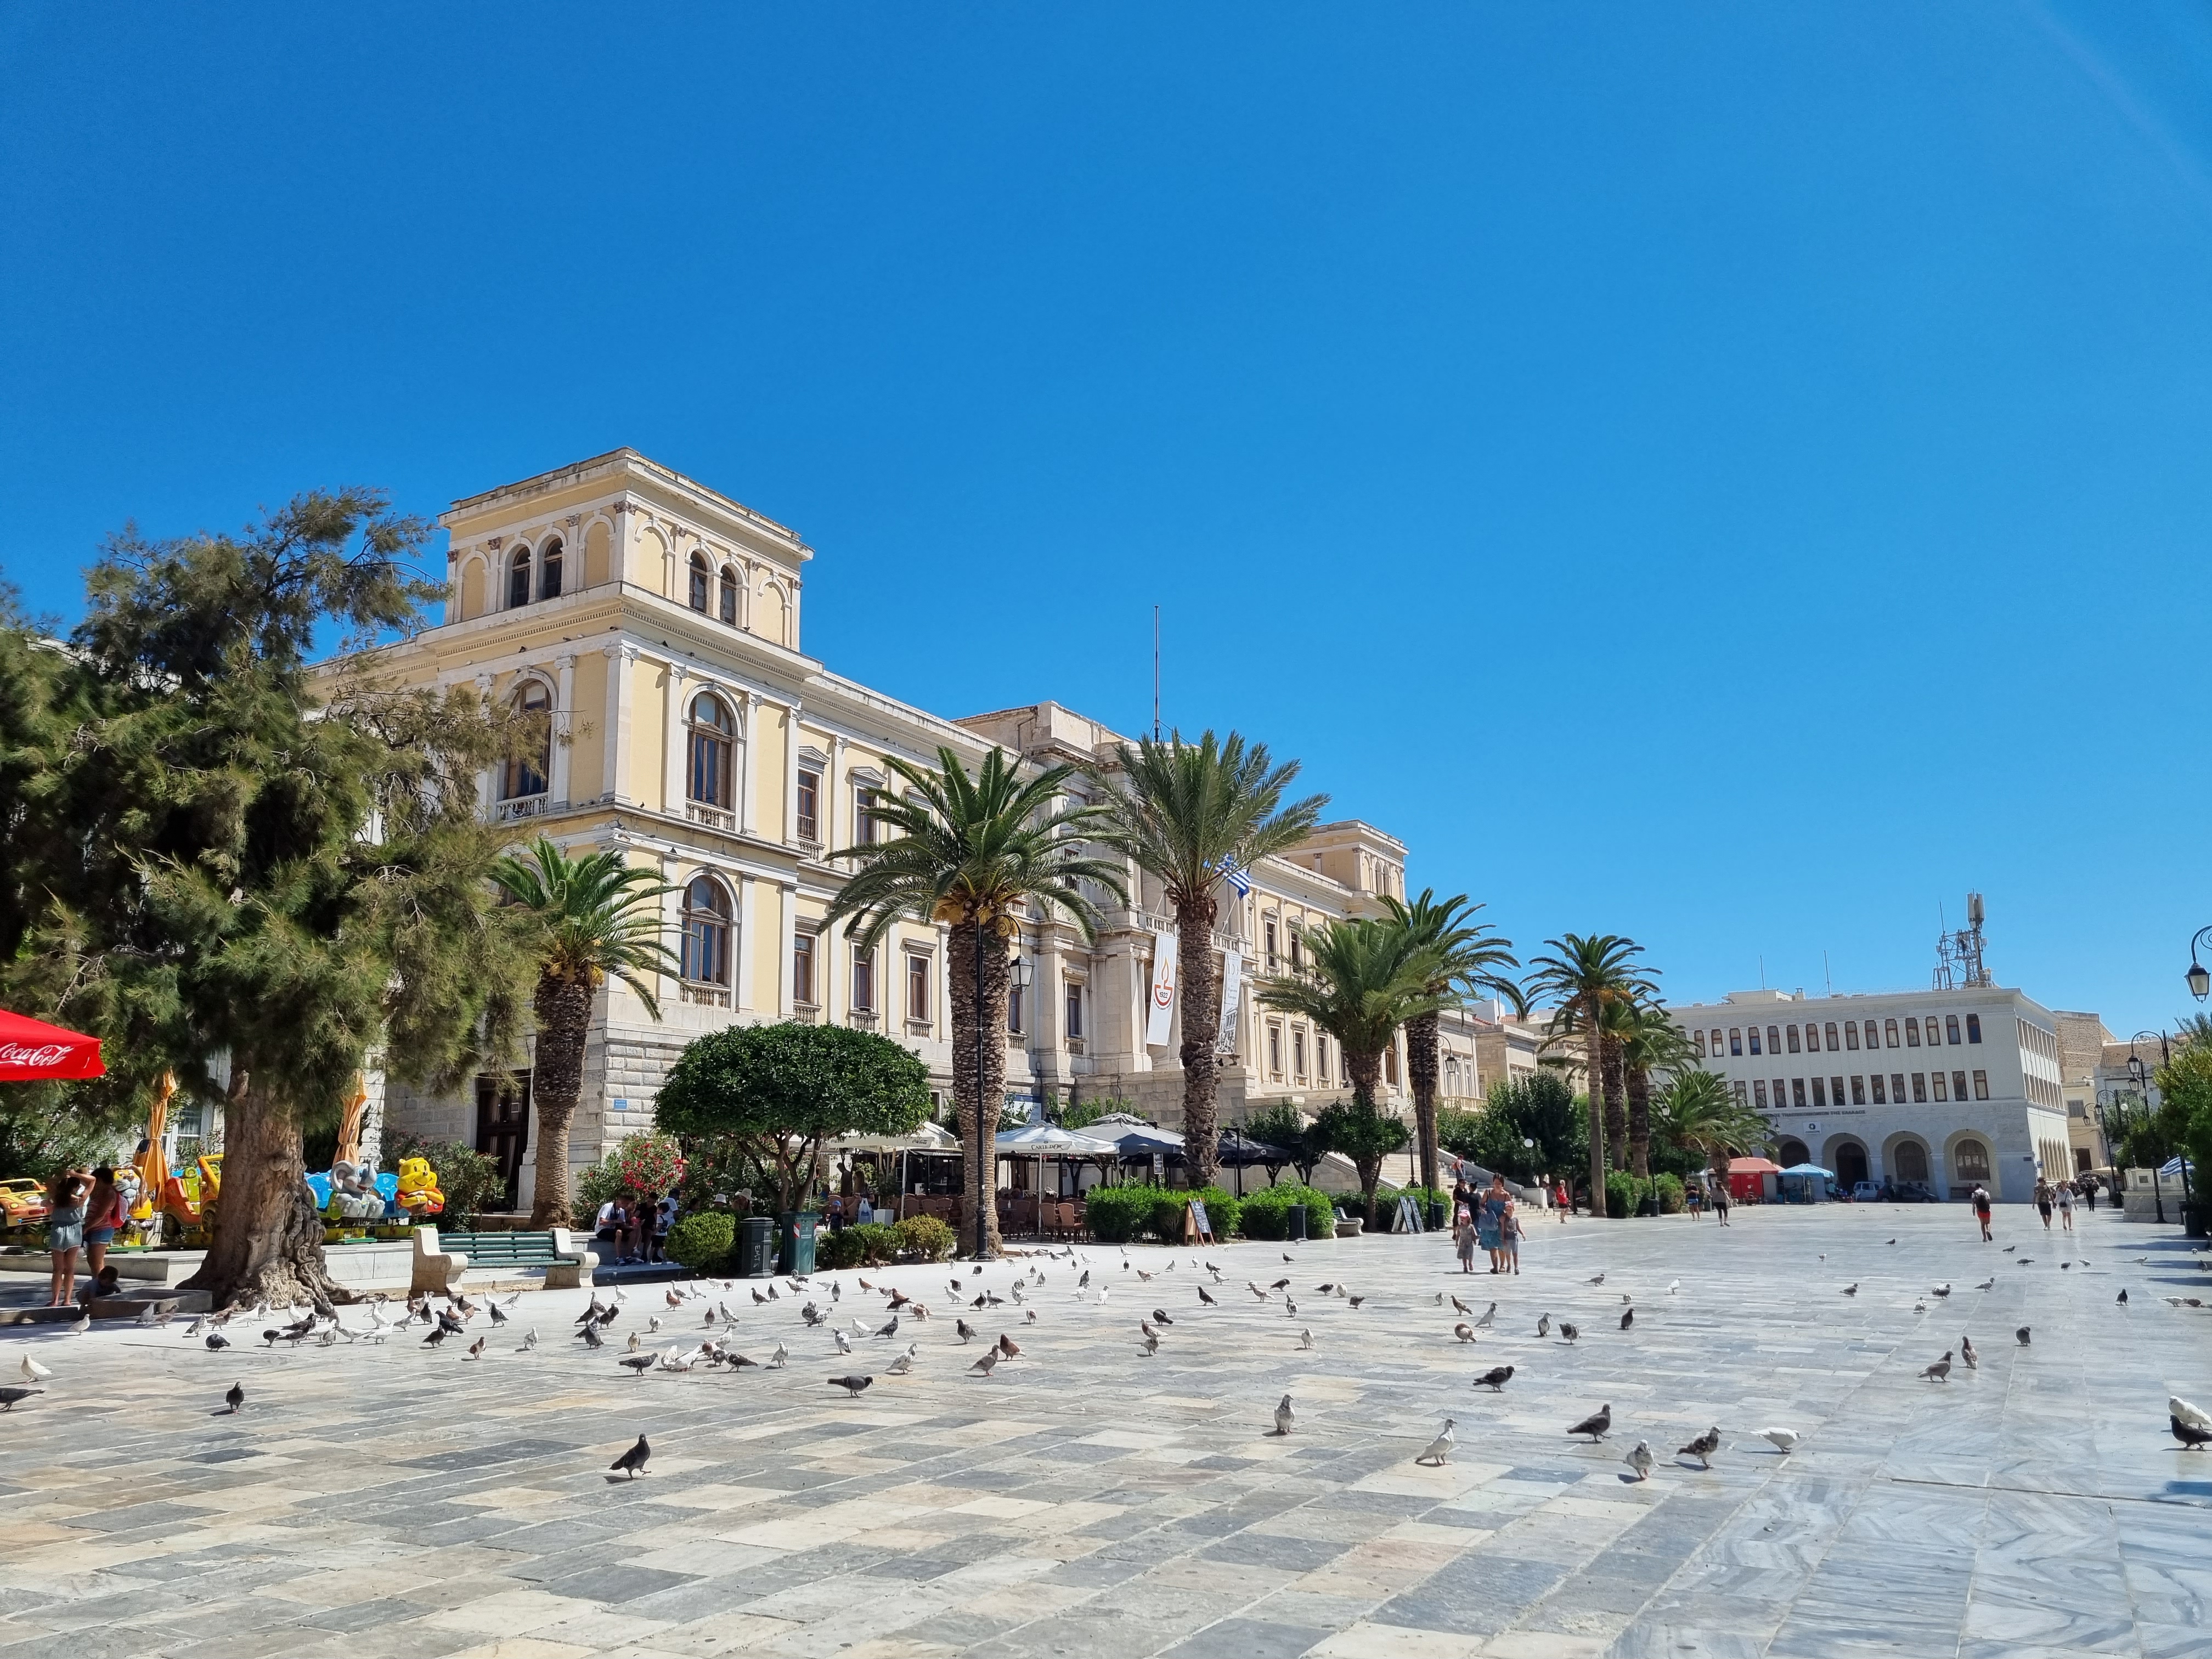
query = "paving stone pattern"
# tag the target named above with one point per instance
(1086, 1501)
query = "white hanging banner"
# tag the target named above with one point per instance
(1162, 1006)
(1232, 993)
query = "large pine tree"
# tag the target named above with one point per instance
(260, 877)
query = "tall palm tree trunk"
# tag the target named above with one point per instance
(1593, 1072)
(1200, 1005)
(1616, 1105)
(1424, 1039)
(556, 1085)
(972, 1090)
(1639, 1123)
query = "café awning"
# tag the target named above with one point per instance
(32, 1051)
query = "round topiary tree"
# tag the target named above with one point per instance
(778, 1092)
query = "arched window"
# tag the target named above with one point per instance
(699, 583)
(524, 773)
(730, 595)
(1792, 1152)
(706, 931)
(1909, 1161)
(708, 780)
(548, 570)
(517, 579)
(1972, 1160)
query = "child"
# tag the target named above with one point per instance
(1463, 1237)
(1512, 1236)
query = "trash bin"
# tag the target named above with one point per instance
(795, 1242)
(1438, 1220)
(756, 1246)
(1294, 1220)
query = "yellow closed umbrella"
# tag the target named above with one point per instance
(357, 1110)
(153, 1168)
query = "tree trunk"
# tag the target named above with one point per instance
(557, 1083)
(1365, 1072)
(268, 1240)
(1639, 1123)
(1423, 1041)
(1593, 1069)
(968, 1088)
(1616, 1105)
(1201, 1034)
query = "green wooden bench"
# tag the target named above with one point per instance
(441, 1258)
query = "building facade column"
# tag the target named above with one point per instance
(672, 791)
(747, 739)
(621, 659)
(790, 774)
(564, 703)
(742, 987)
(786, 1005)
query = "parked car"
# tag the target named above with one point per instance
(1913, 1192)
(23, 1200)
(1866, 1191)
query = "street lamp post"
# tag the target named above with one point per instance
(2140, 1078)
(2199, 976)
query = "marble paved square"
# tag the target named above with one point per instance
(1086, 1499)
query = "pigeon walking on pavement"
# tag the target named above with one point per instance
(1640, 1458)
(631, 1463)
(1702, 1447)
(1782, 1440)
(1495, 1378)
(1597, 1425)
(1286, 1418)
(1941, 1371)
(1439, 1449)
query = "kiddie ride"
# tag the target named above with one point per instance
(353, 1198)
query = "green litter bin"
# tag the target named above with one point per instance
(795, 1242)
(756, 1246)
(1294, 1222)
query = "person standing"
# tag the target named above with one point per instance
(103, 1214)
(1721, 1202)
(2043, 1200)
(1562, 1200)
(1463, 1236)
(65, 1233)
(1693, 1199)
(1982, 1214)
(1491, 1223)
(1510, 1235)
(2090, 1192)
(2066, 1204)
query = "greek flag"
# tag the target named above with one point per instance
(1240, 880)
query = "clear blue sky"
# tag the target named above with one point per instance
(1732, 476)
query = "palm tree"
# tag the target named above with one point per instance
(1190, 814)
(1587, 974)
(1468, 964)
(973, 853)
(597, 917)
(1362, 980)
(1650, 1042)
(1698, 1111)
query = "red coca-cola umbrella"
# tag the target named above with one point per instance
(32, 1051)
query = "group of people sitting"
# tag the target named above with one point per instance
(637, 1226)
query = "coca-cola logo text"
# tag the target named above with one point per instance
(46, 1053)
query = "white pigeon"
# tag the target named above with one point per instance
(1101, 1296)
(1673, 1285)
(844, 1342)
(1639, 1459)
(776, 1360)
(146, 1315)
(83, 1323)
(1489, 1314)
(637, 1341)
(1305, 1336)
(1286, 1418)
(1439, 1449)
(34, 1372)
(1784, 1440)
(901, 1365)
(529, 1340)
(2177, 1407)
(652, 1323)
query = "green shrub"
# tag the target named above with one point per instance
(701, 1241)
(469, 1179)
(927, 1236)
(1117, 1215)
(1670, 1194)
(1167, 1220)
(1619, 1194)
(1267, 1214)
(837, 1250)
(879, 1242)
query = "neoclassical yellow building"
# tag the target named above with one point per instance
(658, 623)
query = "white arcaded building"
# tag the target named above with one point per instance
(1947, 1087)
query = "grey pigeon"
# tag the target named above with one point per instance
(1967, 1352)
(966, 1332)
(1941, 1371)
(1596, 1426)
(632, 1463)
(591, 1337)
(1702, 1447)
(898, 1367)
(639, 1363)
(1205, 1298)
(1639, 1459)
(852, 1385)
(1286, 1418)
(2123, 1297)
(776, 1360)
(1599, 1280)
(1458, 1306)
(216, 1341)
(1571, 1332)
(2022, 1334)
(2190, 1436)
(1544, 1326)
(986, 1362)
(1152, 1343)
(11, 1392)
(1160, 1316)
(1627, 1318)
(1489, 1314)
(1495, 1378)
(1851, 1289)
(890, 1329)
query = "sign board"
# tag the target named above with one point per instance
(1232, 993)
(1409, 1214)
(1197, 1229)
(1159, 1011)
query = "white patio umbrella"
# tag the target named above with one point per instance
(1044, 1140)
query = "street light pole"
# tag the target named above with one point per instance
(2199, 976)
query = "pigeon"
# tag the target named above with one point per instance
(1160, 1318)
(437, 1335)
(1305, 1336)
(1967, 1353)
(890, 1329)
(1463, 1331)
(12, 1393)
(2190, 1436)
(1920, 1306)
(1354, 1301)
(477, 1348)
(1495, 1378)
(1944, 1289)
(966, 1331)
(2194, 1416)
(1784, 1440)
(1489, 1314)
(1205, 1298)
(83, 1324)
(591, 1337)
(1625, 1298)
(2009, 1248)
(1571, 1332)
(2063, 1266)
(1544, 1326)
(1007, 1347)
(1627, 1318)
(200, 1323)
(986, 1362)
(1892, 1241)
(1152, 1345)
(636, 1341)
(1941, 1371)
(1280, 1285)
(2123, 1297)
(852, 1385)
(1439, 1449)
(1458, 1306)
(216, 1341)
(1702, 1447)
(775, 1361)
(1287, 1419)
(1639, 1459)
(1291, 1307)
(639, 1363)
(1600, 1279)
(2022, 1334)
(844, 1342)
(33, 1371)
(233, 1398)
(1987, 1283)
(1851, 1289)
(1673, 1285)
(759, 1300)
(632, 1463)
(529, 1340)
(1597, 1425)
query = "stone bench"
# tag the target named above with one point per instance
(441, 1259)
